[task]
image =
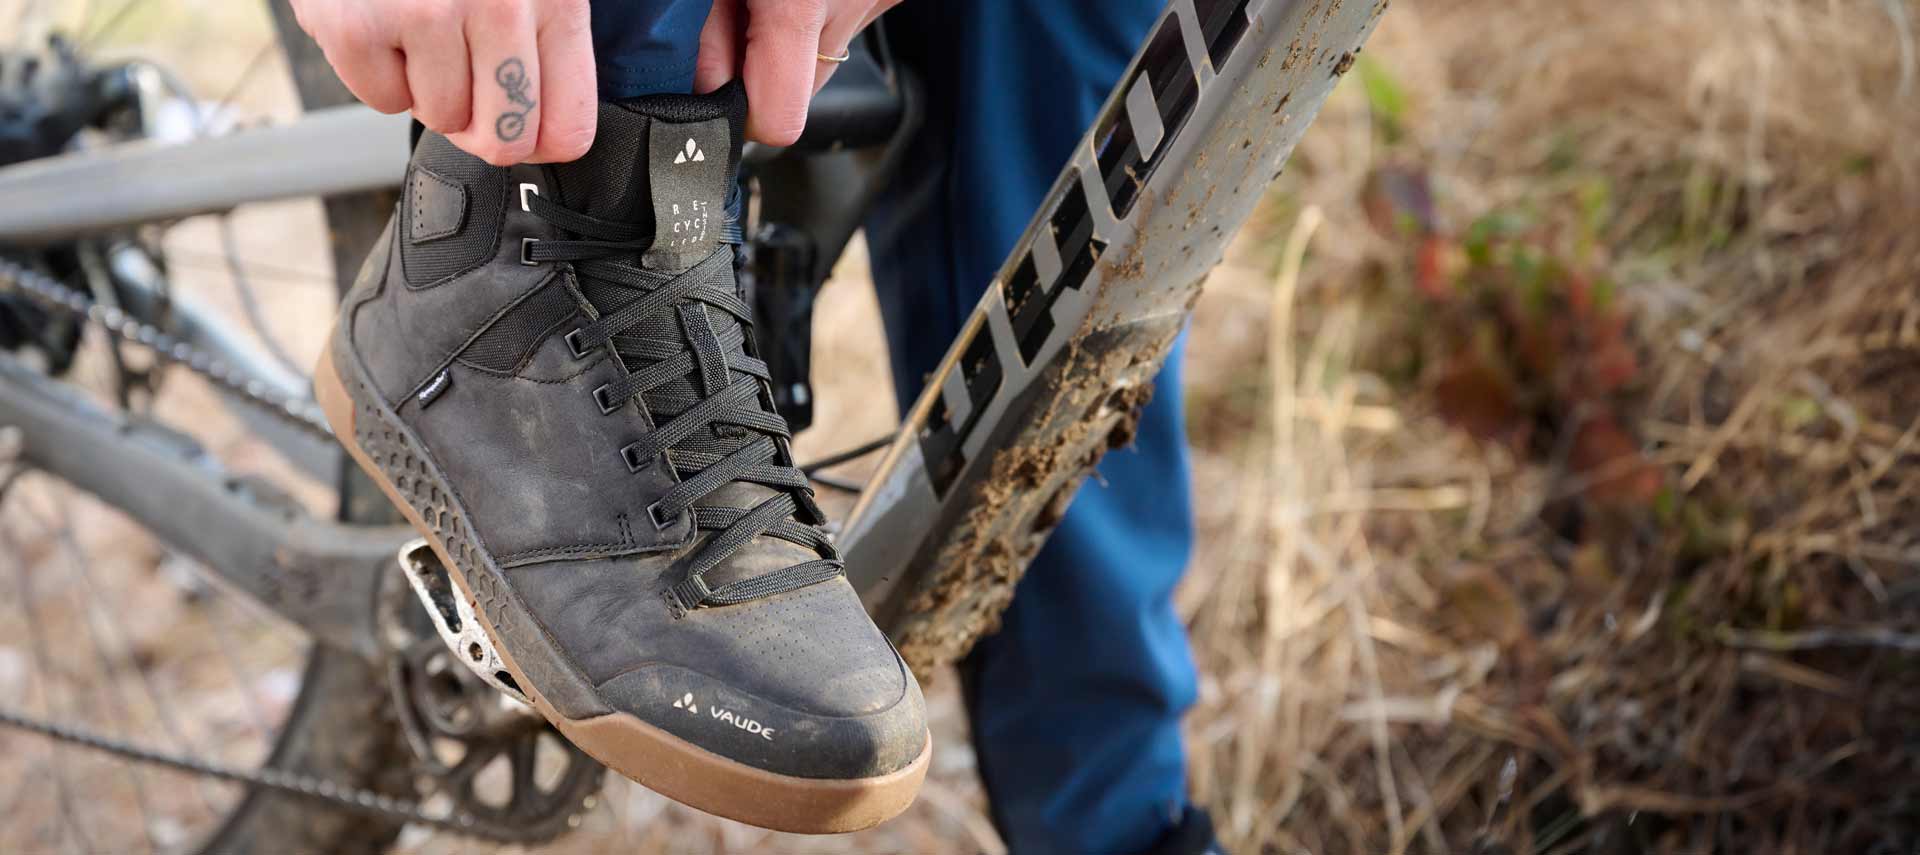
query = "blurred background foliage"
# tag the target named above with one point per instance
(1556, 418)
(1587, 513)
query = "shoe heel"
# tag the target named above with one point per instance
(335, 403)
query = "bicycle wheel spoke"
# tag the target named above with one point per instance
(29, 779)
(245, 678)
(261, 59)
(250, 302)
(32, 784)
(119, 16)
(75, 836)
(254, 267)
(119, 714)
(95, 595)
(140, 689)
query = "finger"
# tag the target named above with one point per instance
(719, 59)
(305, 15)
(783, 42)
(874, 14)
(569, 107)
(836, 37)
(439, 74)
(505, 126)
(369, 64)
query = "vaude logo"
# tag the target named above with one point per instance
(742, 722)
(691, 153)
(685, 702)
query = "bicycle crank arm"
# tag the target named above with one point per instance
(1059, 355)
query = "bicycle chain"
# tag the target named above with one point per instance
(300, 413)
(305, 786)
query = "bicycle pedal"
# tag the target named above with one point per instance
(453, 618)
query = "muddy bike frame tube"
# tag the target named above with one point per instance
(1051, 368)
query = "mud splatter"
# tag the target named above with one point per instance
(1087, 400)
(1294, 55)
(1090, 404)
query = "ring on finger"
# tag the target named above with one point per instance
(836, 60)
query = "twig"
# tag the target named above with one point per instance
(1287, 489)
(1754, 662)
(1819, 639)
(1722, 437)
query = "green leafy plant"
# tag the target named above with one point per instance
(1523, 337)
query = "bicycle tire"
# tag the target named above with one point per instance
(342, 727)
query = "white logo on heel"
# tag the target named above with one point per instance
(691, 153)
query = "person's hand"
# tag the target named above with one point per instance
(775, 46)
(507, 80)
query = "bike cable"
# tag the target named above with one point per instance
(812, 468)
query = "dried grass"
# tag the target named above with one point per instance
(1421, 641)
(1416, 640)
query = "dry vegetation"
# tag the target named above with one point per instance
(1558, 427)
(1588, 443)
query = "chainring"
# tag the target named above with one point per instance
(486, 751)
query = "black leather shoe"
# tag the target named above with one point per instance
(549, 368)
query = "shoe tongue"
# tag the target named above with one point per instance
(665, 162)
(668, 162)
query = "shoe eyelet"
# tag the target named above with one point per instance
(574, 344)
(661, 523)
(634, 463)
(607, 405)
(526, 251)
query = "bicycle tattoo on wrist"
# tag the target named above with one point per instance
(512, 77)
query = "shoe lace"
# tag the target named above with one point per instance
(725, 432)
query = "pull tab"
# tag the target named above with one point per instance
(687, 174)
(435, 389)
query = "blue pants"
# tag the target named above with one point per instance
(1076, 702)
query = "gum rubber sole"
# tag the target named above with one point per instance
(650, 756)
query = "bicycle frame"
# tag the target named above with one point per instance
(1061, 351)
(1049, 367)
(321, 576)
(324, 153)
